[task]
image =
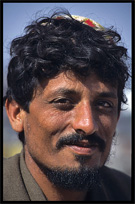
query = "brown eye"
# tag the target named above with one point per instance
(63, 101)
(63, 104)
(105, 104)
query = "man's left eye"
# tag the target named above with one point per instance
(105, 104)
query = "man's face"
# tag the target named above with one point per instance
(65, 107)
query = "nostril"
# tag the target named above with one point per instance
(81, 132)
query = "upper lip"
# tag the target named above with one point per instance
(83, 143)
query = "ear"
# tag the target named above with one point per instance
(15, 115)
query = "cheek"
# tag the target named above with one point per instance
(38, 137)
(107, 132)
(53, 122)
(43, 126)
(42, 133)
(107, 126)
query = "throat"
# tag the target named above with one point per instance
(65, 195)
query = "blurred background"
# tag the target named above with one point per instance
(18, 15)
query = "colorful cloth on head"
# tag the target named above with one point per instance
(93, 24)
(81, 19)
(88, 22)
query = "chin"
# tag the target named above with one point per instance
(79, 178)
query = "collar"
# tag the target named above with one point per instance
(34, 191)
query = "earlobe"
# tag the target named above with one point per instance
(15, 115)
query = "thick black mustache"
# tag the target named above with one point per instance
(73, 139)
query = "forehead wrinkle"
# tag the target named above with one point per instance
(73, 86)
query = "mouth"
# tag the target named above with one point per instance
(83, 148)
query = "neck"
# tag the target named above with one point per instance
(52, 192)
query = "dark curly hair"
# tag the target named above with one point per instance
(52, 45)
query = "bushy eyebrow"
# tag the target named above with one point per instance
(104, 94)
(65, 91)
(108, 94)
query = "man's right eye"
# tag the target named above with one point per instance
(63, 100)
(63, 104)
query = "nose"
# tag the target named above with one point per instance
(84, 120)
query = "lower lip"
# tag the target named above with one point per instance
(83, 150)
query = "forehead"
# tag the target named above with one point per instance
(69, 81)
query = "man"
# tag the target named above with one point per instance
(65, 90)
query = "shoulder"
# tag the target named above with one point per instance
(13, 186)
(117, 182)
(11, 168)
(11, 163)
(115, 174)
